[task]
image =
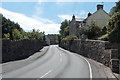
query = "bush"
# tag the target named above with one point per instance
(92, 31)
(103, 37)
(114, 36)
(70, 37)
(112, 22)
(16, 34)
(114, 28)
(7, 36)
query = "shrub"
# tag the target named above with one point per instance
(114, 28)
(92, 31)
(114, 36)
(7, 36)
(103, 37)
(70, 37)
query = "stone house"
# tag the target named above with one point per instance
(75, 23)
(100, 17)
(51, 39)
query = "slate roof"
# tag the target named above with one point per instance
(79, 19)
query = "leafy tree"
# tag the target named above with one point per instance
(92, 31)
(16, 34)
(114, 28)
(7, 36)
(113, 20)
(64, 28)
(115, 8)
(13, 31)
(112, 10)
(8, 26)
(70, 37)
(36, 34)
(114, 25)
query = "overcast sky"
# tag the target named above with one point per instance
(47, 16)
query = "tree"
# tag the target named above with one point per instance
(8, 26)
(70, 37)
(7, 36)
(13, 31)
(16, 34)
(114, 31)
(115, 8)
(64, 29)
(92, 31)
(36, 34)
(114, 25)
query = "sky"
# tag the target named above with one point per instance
(47, 16)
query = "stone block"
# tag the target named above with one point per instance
(114, 54)
(115, 65)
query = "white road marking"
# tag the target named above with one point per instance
(45, 74)
(89, 67)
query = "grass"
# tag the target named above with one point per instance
(103, 36)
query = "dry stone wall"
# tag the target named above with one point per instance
(16, 50)
(100, 51)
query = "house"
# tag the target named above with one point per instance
(74, 25)
(52, 39)
(100, 17)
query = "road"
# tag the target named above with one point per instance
(55, 63)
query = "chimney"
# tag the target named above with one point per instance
(89, 14)
(99, 6)
(73, 17)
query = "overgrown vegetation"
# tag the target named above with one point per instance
(110, 32)
(114, 25)
(92, 31)
(70, 37)
(103, 37)
(13, 31)
(64, 29)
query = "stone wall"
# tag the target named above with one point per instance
(95, 49)
(16, 50)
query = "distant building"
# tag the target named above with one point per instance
(74, 25)
(100, 17)
(52, 39)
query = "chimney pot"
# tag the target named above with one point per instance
(99, 6)
(73, 17)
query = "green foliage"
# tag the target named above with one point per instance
(92, 31)
(115, 8)
(103, 37)
(115, 18)
(16, 34)
(114, 25)
(13, 31)
(114, 35)
(112, 11)
(7, 36)
(83, 30)
(8, 26)
(64, 29)
(70, 37)
(35, 34)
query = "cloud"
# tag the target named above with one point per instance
(38, 12)
(63, 17)
(60, 0)
(83, 12)
(28, 23)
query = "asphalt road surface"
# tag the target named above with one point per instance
(56, 63)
